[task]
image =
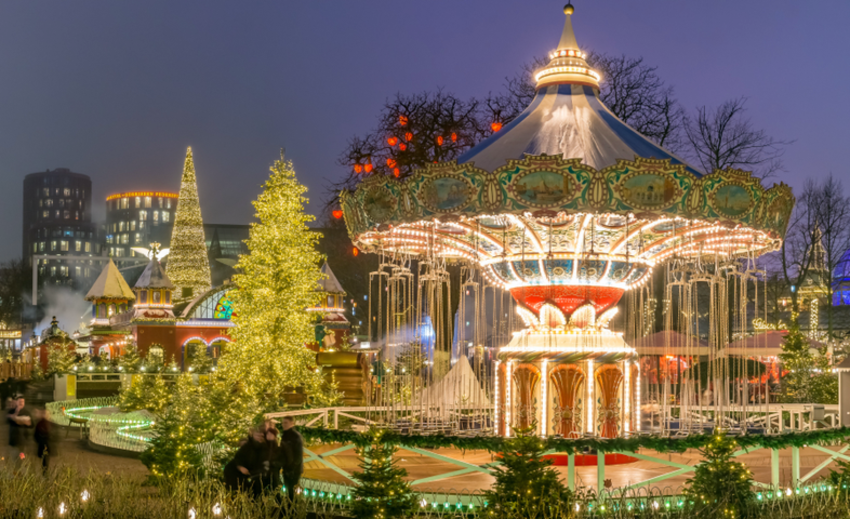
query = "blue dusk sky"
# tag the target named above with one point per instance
(117, 90)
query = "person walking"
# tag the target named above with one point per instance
(19, 420)
(44, 440)
(292, 447)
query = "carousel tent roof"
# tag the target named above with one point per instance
(154, 276)
(459, 388)
(669, 343)
(329, 283)
(110, 284)
(567, 118)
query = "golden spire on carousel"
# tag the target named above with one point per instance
(567, 63)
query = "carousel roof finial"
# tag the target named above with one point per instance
(568, 37)
(567, 63)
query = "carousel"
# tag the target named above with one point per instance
(569, 210)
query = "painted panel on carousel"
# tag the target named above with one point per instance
(618, 272)
(505, 272)
(648, 191)
(379, 204)
(529, 270)
(732, 199)
(559, 270)
(445, 194)
(590, 271)
(543, 188)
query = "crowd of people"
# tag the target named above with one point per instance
(267, 459)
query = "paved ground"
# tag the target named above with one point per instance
(74, 452)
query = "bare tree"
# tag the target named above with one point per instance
(412, 131)
(797, 259)
(724, 138)
(832, 214)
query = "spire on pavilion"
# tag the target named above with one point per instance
(567, 63)
(188, 263)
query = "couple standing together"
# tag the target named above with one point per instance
(261, 461)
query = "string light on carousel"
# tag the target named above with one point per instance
(568, 209)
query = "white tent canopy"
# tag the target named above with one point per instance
(459, 389)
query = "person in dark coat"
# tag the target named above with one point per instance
(292, 449)
(44, 440)
(19, 420)
(249, 464)
(272, 479)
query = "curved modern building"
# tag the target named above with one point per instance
(138, 218)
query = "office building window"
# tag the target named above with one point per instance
(46, 191)
(53, 245)
(63, 246)
(147, 201)
(168, 203)
(56, 215)
(41, 246)
(137, 238)
(63, 271)
(78, 245)
(125, 239)
(142, 225)
(61, 202)
(88, 247)
(138, 202)
(45, 214)
(76, 215)
(67, 214)
(41, 202)
(49, 202)
(53, 271)
(132, 225)
(78, 271)
(67, 191)
(165, 216)
(160, 202)
(120, 226)
(143, 215)
(156, 217)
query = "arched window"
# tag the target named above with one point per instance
(101, 311)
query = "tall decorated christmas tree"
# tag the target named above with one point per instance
(188, 264)
(277, 282)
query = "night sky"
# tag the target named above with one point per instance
(117, 90)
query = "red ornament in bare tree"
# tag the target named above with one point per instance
(337, 213)
(402, 120)
(392, 141)
(358, 168)
(496, 126)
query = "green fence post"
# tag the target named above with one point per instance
(571, 471)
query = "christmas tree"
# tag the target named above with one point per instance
(145, 392)
(810, 377)
(131, 361)
(382, 492)
(188, 264)
(720, 486)
(526, 484)
(277, 282)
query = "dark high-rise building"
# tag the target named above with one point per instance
(57, 223)
(138, 218)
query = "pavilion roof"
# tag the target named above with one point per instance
(110, 284)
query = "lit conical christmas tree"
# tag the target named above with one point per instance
(188, 264)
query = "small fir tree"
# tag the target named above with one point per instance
(526, 484)
(720, 486)
(145, 392)
(188, 264)
(131, 361)
(199, 359)
(382, 493)
(60, 360)
(179, 430)
(810, 377)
